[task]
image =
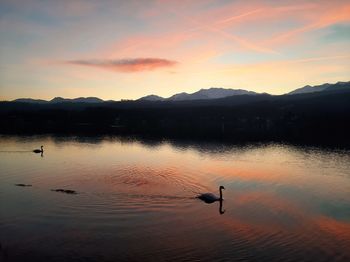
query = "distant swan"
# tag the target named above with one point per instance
(211, 198)
(39, 150)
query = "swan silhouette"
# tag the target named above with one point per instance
(39, 150)
(211, 198)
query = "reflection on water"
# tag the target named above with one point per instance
(221, 210)
(136, 201)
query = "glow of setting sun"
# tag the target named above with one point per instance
(128, 49)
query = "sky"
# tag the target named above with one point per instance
(128, 49)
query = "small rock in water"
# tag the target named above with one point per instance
(67, 191)
(22, 185)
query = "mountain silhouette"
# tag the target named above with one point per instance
(213, 93)
(77, 100)
(319, 88)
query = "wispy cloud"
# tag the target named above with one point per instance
(321, 17)
(126, 65)
(238, 17)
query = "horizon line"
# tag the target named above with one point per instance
(135, 99)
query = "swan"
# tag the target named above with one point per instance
(39, 150)
(211, 198)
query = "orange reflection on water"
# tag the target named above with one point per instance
(265, 219)
(338, 229)
(143, 197)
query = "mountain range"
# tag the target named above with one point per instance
(203, 94)
(319, 88)
(215, 93)
(61, 100)
(211, 93)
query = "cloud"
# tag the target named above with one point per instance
(126, 65)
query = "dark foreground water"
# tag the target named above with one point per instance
(136, 202)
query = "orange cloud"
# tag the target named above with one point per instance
(126, 65)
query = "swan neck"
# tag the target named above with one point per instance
(220, 193)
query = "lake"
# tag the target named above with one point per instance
(136, 201)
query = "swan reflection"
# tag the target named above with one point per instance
(221, 210)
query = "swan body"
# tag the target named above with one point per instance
(210, 197)
(39, 150)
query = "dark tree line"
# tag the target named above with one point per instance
(322, 117)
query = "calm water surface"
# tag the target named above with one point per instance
(136, 202)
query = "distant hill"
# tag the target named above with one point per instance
(151, 98)
(211, 93)
(60, 100)
(340, 86)
(320, 88)
(30, 100)
(77, 100)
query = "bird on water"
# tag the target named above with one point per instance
(210, 197)
(39, 150)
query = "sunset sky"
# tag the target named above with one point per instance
(128, 49)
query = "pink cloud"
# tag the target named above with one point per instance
(126, 65)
